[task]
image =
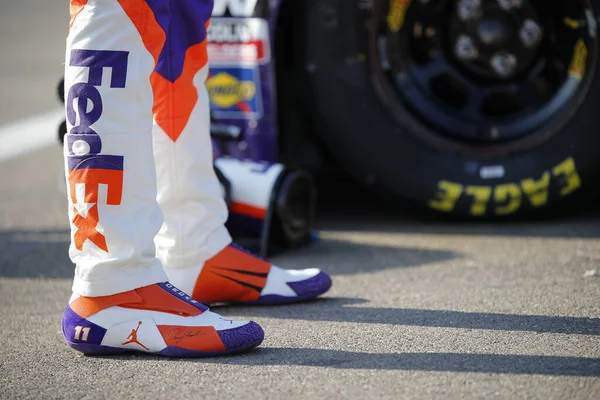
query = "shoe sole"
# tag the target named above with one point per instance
(236, 340)
(307, 290)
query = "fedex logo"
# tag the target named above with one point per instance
(88, 169)
(237, 8)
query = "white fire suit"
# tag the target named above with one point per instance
(138, 156)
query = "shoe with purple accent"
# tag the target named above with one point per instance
(236, 276)
(157, 319)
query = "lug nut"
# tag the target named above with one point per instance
(504, 64)
(468, 9)
(530, 33)
(465, 48)
(510, 4)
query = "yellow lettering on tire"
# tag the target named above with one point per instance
(508, 194)
(397, 14)
(447, 196)
(577, 67)
(481, 197)
(507, 198)
(537, 191)
(569, 178)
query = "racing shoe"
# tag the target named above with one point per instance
(236, 276)
(157, 319)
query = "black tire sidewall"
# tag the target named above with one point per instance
(384, 152)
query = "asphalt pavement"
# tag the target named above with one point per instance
(419, 309)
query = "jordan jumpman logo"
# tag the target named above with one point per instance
(133, 336)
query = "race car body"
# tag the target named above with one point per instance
(242, 78)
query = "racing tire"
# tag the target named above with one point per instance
(392, 146)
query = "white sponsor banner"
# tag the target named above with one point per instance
(238, 41)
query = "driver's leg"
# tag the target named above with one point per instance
(193, 243)
(120, 286)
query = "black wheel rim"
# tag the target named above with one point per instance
(524, 73)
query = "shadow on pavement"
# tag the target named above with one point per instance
(44, 254)
(366, 221)
(360, 258)
(446, 362)
(449, 362)
(35, 254)
(336, 310)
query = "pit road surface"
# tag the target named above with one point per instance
(418, 309)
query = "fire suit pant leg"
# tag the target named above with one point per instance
(108, 149)
(189, 192)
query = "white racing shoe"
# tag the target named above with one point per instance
(157, 319)
(235, 276)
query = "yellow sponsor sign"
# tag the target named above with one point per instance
(397, 14)
(226, 91)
